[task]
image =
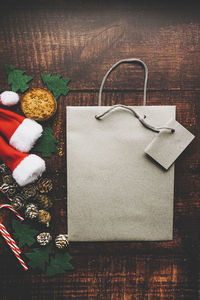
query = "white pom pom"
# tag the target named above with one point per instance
(9, 98)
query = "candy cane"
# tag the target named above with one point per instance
(9, 239)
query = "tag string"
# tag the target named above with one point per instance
(140, 118)
(12, 244)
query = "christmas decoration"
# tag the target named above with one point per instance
(56, 84)
(47, 143)
(44, 217)
(8, 179)
(31, 211)
(22, 133)
(39, 257)
(44, 201)
(24, 233)
(61, 241)
(44, 238)
(9, 98)
(9, 190)
(29, 191)
(38, 104)
(59, 264)
(4, 169)
(26, 168)
(18, 202)
(44, 185)
(17, 79)
(8, 238)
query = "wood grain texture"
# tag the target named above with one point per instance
(81, 41)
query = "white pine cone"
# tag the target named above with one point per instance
(44, 238)
(31, 211)
(61, 241)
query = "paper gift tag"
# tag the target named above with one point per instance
(167, 146)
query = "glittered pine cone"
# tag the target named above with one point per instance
(44, 217)
(7, 178)
(44, 185)
(44, 201)
(61, 241)
(31, 211)
(44, 238)
(4, 169)
(18, 202)
(29, 191)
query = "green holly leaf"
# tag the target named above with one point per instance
(24, 234)
(56, 84)
(46, 143)
(17, 79)
(39, 257)
(59, 264)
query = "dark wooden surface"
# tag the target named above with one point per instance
(81, 40)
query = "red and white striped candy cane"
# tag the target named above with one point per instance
(9, 239)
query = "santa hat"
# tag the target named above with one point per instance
(9, 98)
(22, 133)
(26, 168)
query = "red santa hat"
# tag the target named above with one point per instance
(9, 98)
(22, 133)
(26, 168)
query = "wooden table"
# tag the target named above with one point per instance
(81, 40)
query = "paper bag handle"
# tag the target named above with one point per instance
(128, 60)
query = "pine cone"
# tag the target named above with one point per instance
(4, 169)
(61, 241)
(44, 201)
(29, 191)
(44, 217)
(7, 178)
(44, 185)
(18, 202)
(44, 238)
(31, 211)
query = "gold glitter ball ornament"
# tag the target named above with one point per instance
(44, 217)
(44, 238)
(44, 185)
(31, 211)
(61, 241)
(4, 169)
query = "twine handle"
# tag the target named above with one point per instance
(127, 60)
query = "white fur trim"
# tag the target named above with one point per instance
(25, 136)
(29, 169)
(9, 98)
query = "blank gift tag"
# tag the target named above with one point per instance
(166, 146)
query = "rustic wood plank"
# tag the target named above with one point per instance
(83, 45)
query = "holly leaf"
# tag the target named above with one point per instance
(39, 257)
(24, 234)
(17, 79)
(59, 264)
(46, 143)
(56, 84)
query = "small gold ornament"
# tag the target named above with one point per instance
(31, 211)
(61, 241)
(44, 185)
(44, 217)
(44, 201)
(44, 238)
(29, 191)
